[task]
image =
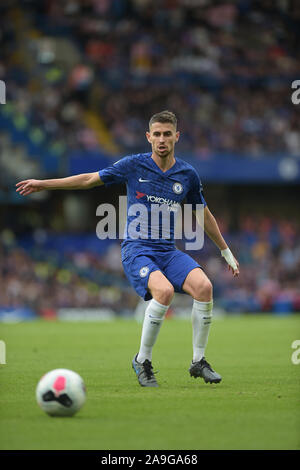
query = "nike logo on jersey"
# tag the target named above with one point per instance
(141, 180)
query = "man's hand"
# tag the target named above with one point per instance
(29, 186)
(233, 263)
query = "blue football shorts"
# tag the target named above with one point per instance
(173, 263)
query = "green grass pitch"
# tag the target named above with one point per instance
(256, 406)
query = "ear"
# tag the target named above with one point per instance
(177, 136)
(148, 137)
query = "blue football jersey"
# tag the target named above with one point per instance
(154, 197)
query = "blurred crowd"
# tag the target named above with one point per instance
(225, 68)
(88, 74)
(269, 254)
(45, 280)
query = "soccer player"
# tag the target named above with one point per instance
(154, 266)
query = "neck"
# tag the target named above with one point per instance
(164, 163)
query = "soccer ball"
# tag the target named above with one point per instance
(61, 392)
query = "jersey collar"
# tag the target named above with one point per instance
(159, 169)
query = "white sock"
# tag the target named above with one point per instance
(153, 319)
(201, 320)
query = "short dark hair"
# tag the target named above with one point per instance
(164, 116)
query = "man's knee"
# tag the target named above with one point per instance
(163, 293)
(203, 290)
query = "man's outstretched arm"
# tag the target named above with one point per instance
(211, 228)
(83, 181)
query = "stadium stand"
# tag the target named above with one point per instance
(88, 74)
(74, 271)
(83, 77)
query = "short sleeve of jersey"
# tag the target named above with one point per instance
(195, 194)
(117, 173)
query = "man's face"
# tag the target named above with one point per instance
(162, 137)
